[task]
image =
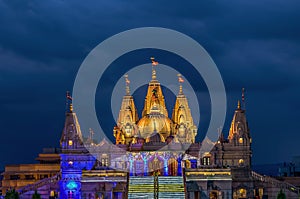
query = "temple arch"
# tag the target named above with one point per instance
(156, 164)
(172, 167)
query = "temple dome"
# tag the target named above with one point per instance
(155, 122)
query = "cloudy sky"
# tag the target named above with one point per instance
(255, 45)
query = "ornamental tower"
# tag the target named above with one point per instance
(74, 156)
(71, 138)
(126, 129)
(154, 95)
(239, 137)
(185, 129)
(236, 151)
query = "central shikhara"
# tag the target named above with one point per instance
(155, 125)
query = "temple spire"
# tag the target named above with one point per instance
(185, 130)
(180, 80)
(154, 94)
(239, 126)
(127, 84)
(71, 137)
(126, 128)
(154, 63)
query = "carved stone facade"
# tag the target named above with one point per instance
(157, 149)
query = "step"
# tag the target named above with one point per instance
(170, 179)
(171, 195)
(170, 187)
(141, 180)
(141, 187)
(141, 196)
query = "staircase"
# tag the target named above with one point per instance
(141, 187)
(275, 183)
(171, 187)
(28, 190)
(168, 187)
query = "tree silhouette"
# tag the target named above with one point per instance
(281, 195)
(12, 194)
(36, 195)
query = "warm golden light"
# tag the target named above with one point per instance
(208, 173)
(242, 193)
(241, 161)
(52, 193)
(261, 191)
(70, 142)
(241, 140)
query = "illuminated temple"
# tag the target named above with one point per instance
(154, 156)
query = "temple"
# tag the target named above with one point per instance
(154, 156)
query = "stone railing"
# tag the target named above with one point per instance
(40, 183)
(275, 182)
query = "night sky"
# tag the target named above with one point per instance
(255, 45)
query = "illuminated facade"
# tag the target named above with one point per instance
(24, 177)
(156, 145)
(155, 156)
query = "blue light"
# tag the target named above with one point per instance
(71, 185)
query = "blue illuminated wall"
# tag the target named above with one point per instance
(71, 173)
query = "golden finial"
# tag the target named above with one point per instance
(180, 80)
(243, 98)
(127, 82)
(69, 99)
(71, 108)
(154, 63)
(239, 105)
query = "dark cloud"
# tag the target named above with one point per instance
(42, 44)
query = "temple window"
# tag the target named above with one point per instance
(43, 176)
(52, 194)
(70, 142)
(104, 160)
(241, 140)
(29, 177)
(206, 161)
(243, 193)
(241, 162)
(14, 177)
(261, 192)
(71, 195)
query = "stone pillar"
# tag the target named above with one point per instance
(193, 163)
(166, 167)
(108, 194)
(131, 167)
(145, 167)
(179, 169)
